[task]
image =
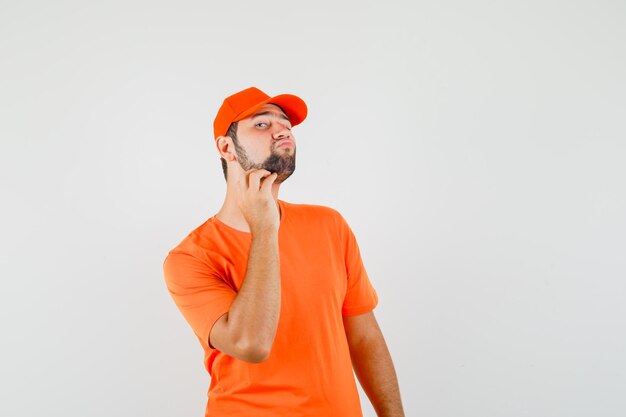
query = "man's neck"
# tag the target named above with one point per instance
(231, 215)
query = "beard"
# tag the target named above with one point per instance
(284, 164)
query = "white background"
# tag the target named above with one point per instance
(476, 148)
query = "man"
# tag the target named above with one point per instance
(276, 292)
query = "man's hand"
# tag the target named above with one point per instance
(255, 200)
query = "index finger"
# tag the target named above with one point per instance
(254, 177)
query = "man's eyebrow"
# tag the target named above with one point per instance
(282, 116)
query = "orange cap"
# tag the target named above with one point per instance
(244, 103)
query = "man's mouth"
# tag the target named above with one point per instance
(285, 142)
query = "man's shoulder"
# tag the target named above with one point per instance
(198, 240)
(315, 216)
(311, 210)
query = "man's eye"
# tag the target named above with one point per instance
(261, 123)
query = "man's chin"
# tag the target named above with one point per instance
(282, 176)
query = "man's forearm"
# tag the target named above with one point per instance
(373, 366)
(254, 313)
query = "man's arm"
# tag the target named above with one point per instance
(373, 365)
(248, 330)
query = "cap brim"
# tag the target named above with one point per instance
(294, 107)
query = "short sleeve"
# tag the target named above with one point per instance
(360, 296)
(198, 292)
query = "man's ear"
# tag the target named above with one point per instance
(226, 148)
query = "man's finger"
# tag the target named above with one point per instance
(268, 181)
(254, 178)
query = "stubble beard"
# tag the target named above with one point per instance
(282, 163)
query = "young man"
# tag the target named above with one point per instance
(276, 292)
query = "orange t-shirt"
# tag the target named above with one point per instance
(309, 371)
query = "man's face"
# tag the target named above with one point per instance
(265, 141)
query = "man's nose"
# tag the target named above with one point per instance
(282, 132)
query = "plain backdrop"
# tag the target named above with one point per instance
(476, 148)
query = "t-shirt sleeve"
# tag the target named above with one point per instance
(361, 297)
(198, 292)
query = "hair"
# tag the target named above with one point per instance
(232, 132)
